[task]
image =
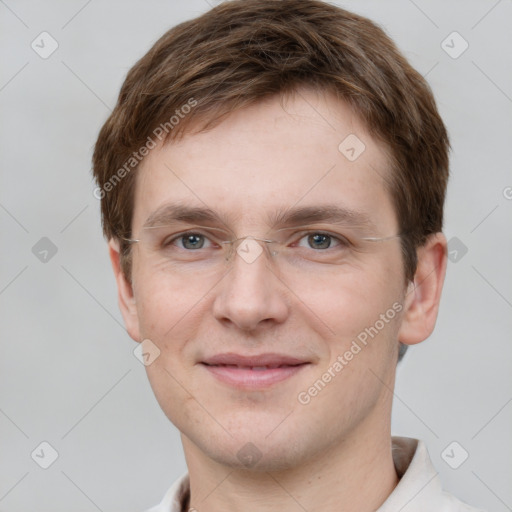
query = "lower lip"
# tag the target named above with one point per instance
(246, 378)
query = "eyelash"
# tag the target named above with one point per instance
(343, 242)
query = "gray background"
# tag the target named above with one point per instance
(68, 375)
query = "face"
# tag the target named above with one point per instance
(307, 312)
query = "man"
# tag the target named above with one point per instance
(272, 183)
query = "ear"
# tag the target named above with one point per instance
(423, 295)
(126, 299)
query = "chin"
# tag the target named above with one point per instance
(256, 458)
(253, 449)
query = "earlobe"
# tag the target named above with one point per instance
(126, 298)
(424, 294)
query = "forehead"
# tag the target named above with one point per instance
(308, 149)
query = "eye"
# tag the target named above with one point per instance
(322, 241)
(187, 241)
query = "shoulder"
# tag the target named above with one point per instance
(420, 488)
(174, 497)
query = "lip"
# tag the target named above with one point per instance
(238, 371)
(267, 359)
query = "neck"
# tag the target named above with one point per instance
(356, 475)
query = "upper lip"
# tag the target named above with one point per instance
(269, 359)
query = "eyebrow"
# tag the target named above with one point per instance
(328, 213)
(295, 216)
(178, 213)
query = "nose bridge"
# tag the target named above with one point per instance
(251, 293)
(250, 248)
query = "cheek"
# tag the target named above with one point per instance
(170, 319)
(164, 306)
(170, 316)
(172, 391)
(365, 313)
(347, 302)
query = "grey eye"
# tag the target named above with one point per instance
(319, 241)
(192, 241)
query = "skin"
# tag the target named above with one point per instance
(260, 159)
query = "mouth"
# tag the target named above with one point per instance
(254, 372)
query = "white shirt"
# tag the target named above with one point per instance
(419, 488)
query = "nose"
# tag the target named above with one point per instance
(251, 294)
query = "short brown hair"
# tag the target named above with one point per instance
(243, 51)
